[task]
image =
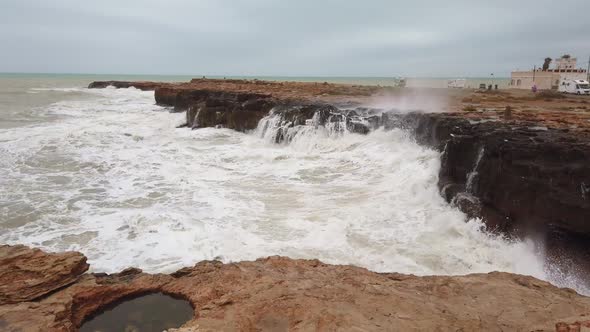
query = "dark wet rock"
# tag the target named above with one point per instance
(236, 111)
(337, 121)
(467, 203)
(374, 122)
(526, 180)
(183, 99)
(165, 96)
(352, 113)
(297, 114)
(357, 126)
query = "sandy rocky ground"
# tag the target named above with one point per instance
(51, 292)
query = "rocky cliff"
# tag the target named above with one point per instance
(519, 176)
(279, 294)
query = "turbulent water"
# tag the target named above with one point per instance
(107, 173)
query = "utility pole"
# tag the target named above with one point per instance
(534, 72)
(588, 70)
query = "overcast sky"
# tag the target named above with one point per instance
(290, 37)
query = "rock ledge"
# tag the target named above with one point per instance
(279, 293)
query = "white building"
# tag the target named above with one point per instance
(565, 68)
(565, 63)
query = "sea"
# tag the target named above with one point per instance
(108, 173)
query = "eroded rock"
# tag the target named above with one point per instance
(27, 274)
(527, 180)
(279, 293)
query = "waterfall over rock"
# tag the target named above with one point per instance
(283, 124)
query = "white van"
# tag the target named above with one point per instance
(579, 87)
(456, 83)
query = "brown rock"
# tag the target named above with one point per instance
(165, 96)
(279, 293)
(527, 178)
(27, 274)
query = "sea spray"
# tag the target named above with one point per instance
(469, 187)
(179, 196)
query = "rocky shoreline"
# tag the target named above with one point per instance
(279, 294)
(524, 173)
(517, 161)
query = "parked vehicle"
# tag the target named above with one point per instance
(579, 87)
(456, 83)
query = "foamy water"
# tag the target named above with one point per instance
(111, 176)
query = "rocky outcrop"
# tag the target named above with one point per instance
(27, 274)
(241, 104)
(239, 111)
(242, 110)
(519, 176)
(278, 293)
(287, 121)
(165, 95)
(182, 95)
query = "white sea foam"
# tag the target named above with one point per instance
(114, 179)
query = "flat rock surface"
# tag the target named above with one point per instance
(282, 294)
(26, 274)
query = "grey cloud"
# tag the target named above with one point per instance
(295, 38)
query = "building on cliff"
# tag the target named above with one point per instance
(548, 78)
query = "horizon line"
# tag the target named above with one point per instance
(251, 76)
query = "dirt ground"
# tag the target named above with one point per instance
(550, 109)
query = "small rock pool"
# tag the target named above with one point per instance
(154, 312)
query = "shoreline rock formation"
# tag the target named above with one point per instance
(279, 293)
(28, 274)
(524, 175)
(520, 177)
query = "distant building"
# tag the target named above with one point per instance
(564, 69)
(565, 63)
